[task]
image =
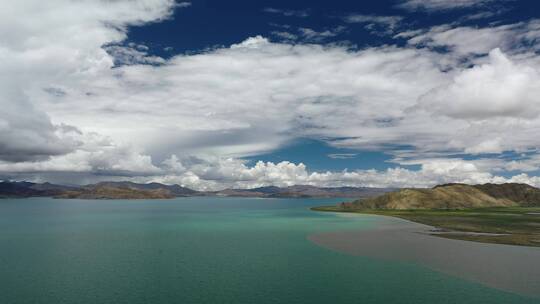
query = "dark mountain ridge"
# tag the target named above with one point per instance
(28, 189)
(131, 190)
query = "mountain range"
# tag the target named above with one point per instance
(452, 196)
(131, 190)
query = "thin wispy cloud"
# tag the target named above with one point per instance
(390, 21)
(342, 155)
(288, 12)
(183, 4)
(304, 34)
(441, 5)
(285, 35)
(374, 23)
(313, 35)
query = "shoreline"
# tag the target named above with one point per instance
(518, 226)
(497, 266)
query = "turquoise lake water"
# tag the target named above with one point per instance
(203, 250)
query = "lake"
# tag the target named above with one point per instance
(212, 250)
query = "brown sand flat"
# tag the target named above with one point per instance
(510, 268)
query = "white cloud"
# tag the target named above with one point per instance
(173, 164)
(25, 132)
(132, 55)
(218, 173)
(465, 41)
(285, 35)
(307, 35)
(441, 5)
(498, 88)
(342, 155)
(288, 12)
(68, 110)
(317, 36)
(236, 174)
(183, 4)
(94, 155)
(51, 47)
(387, 23)
(210, 103)
(483, 15)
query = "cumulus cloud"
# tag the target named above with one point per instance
(234, 173)
(220, 173)
(25, 132)
(44, 51)
(497, 88)
(210, 103)
(90, 104)
(94, 155)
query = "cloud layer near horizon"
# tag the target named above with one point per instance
(68, 112)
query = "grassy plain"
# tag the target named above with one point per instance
(501, 225)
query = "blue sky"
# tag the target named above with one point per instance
(216, 94)
(320, 156)
(206, 24)
(211, 23)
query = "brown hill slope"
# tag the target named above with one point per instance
(523, 194)
(107, 192)
(453, 196)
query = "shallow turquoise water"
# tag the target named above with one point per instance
(202, 250)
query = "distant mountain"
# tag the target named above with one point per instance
(131, 190)
(108, 192)
(27, 189)
(453, 196)
(306, 191)
(175, 190)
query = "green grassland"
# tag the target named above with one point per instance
(509, 225)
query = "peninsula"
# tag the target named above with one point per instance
(492, 213)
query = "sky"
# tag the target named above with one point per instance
(213, 94)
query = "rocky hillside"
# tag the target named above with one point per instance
(523, 194)
(453, 196)
(175, 190)
(108, 192)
